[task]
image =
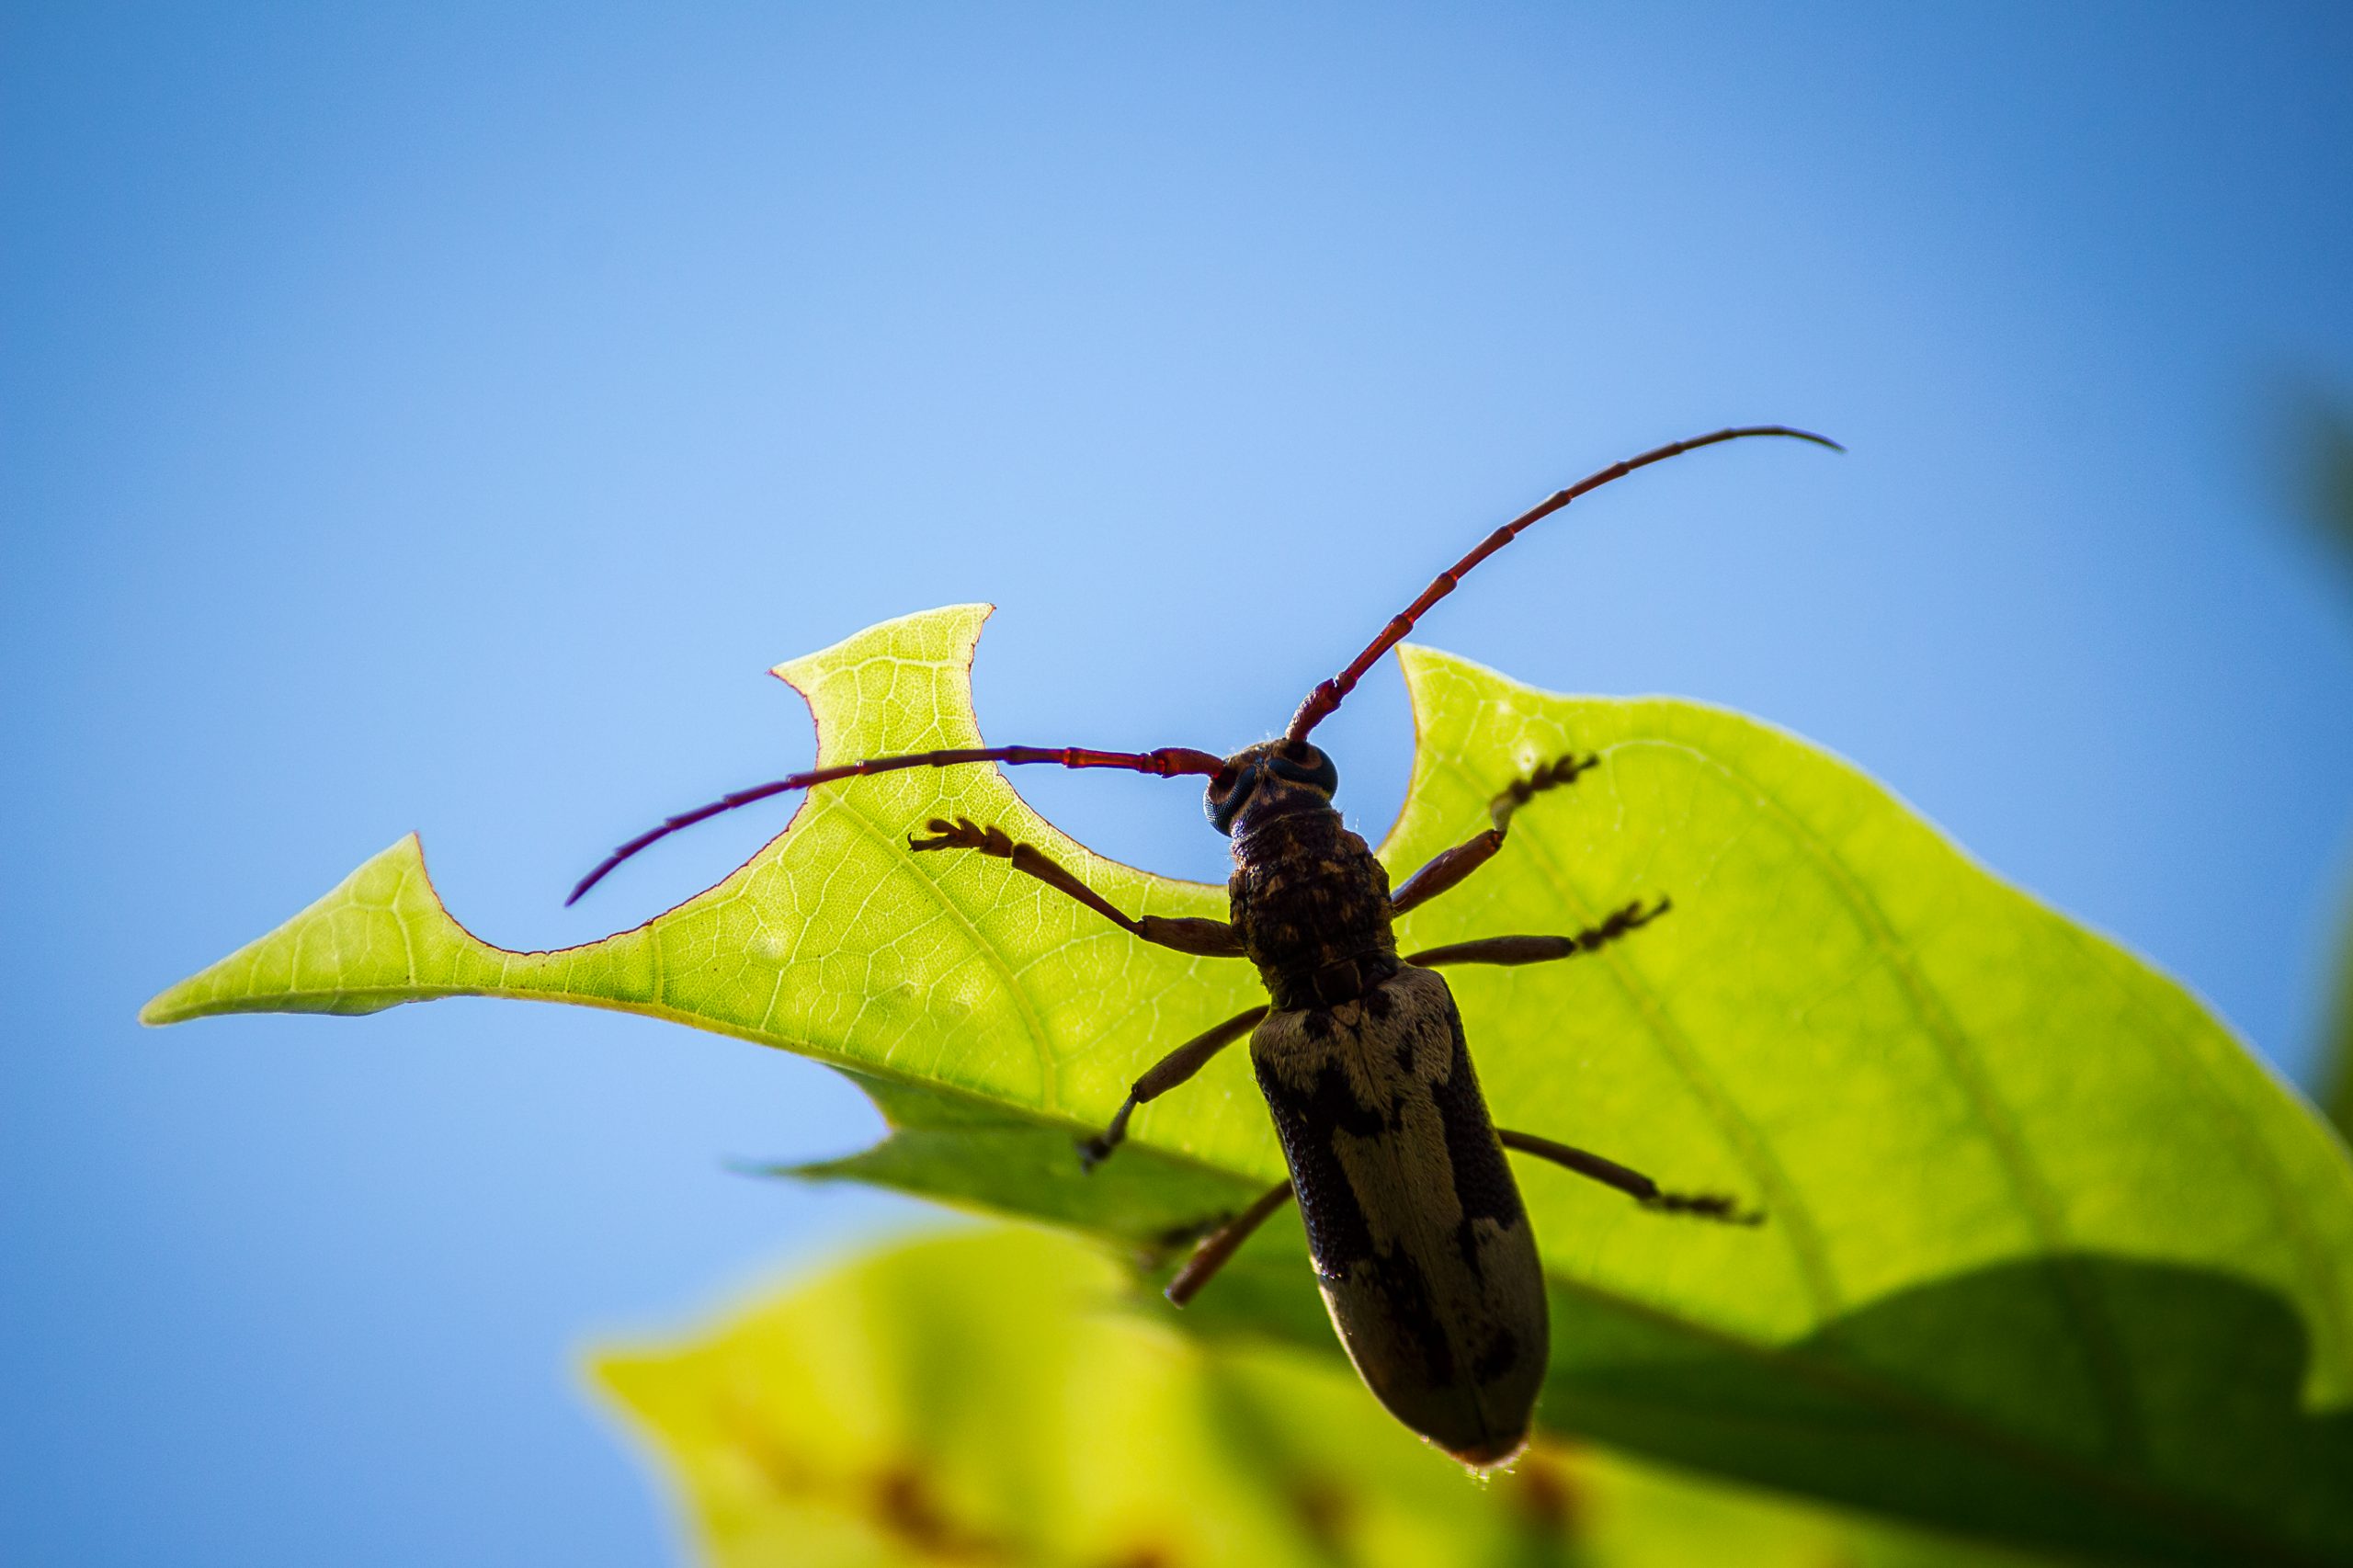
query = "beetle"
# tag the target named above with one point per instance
(1420, 1244)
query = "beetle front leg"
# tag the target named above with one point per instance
(1203, 938)
(1543, 949)
(1164, 1075)
(1632, 1183)
(1223, 1243)
(1449, 867)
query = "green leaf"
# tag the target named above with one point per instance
(2328, 436)
(2328, 427)
(2050, 1258)
(2336, 1045)
(979, 1397)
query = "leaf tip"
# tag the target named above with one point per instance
(955, 624)
(273, 973)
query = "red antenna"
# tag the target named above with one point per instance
(1168, 762)
(1325, 699)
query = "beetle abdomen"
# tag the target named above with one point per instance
(1421, 1246)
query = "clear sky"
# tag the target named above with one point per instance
(438, 417)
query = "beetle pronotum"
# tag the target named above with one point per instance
(1420, 1244)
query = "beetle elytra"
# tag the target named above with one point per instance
(1421, 1246)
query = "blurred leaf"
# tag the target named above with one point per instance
(2051, 1258)
(2330, 464)
(978, 1399)
(2330, 441)
(2336, 1052)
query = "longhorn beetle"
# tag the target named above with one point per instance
(1420, 1244)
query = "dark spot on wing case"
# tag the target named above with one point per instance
(1407, 1294)
(1498, 1356)
(1337, 1233)
(1482, 1182)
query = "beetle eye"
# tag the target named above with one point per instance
(1227, 793)
(1302, 764)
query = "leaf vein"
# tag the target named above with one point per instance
(1782, 1197)
(2119, 1410)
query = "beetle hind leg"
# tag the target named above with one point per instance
(1714, 1206)
(1543, 949)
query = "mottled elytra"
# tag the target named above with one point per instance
(1421, 1245)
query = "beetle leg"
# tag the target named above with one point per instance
(1543, 949)
(1449, 867)
(1203, 938)
(1610, 1173)
(1164, 1075)
(1223, 1243)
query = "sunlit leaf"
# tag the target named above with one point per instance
(982, 1398)
(2049, 1256)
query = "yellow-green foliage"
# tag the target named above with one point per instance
(982, 1397)
(2050, 1257)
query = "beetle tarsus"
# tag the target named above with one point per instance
(1552, 775)
(1632, 917)
(1716, 1206)
(964, 834)
(1093, 1152)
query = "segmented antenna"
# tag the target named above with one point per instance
(1325, 698)
(1168, 762)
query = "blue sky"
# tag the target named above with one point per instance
(439, 417)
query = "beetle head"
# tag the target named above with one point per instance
(1272, 779)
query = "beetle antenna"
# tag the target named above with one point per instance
(1325, 698)
(1168, 762)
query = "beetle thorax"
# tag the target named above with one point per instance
(1312, 904)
